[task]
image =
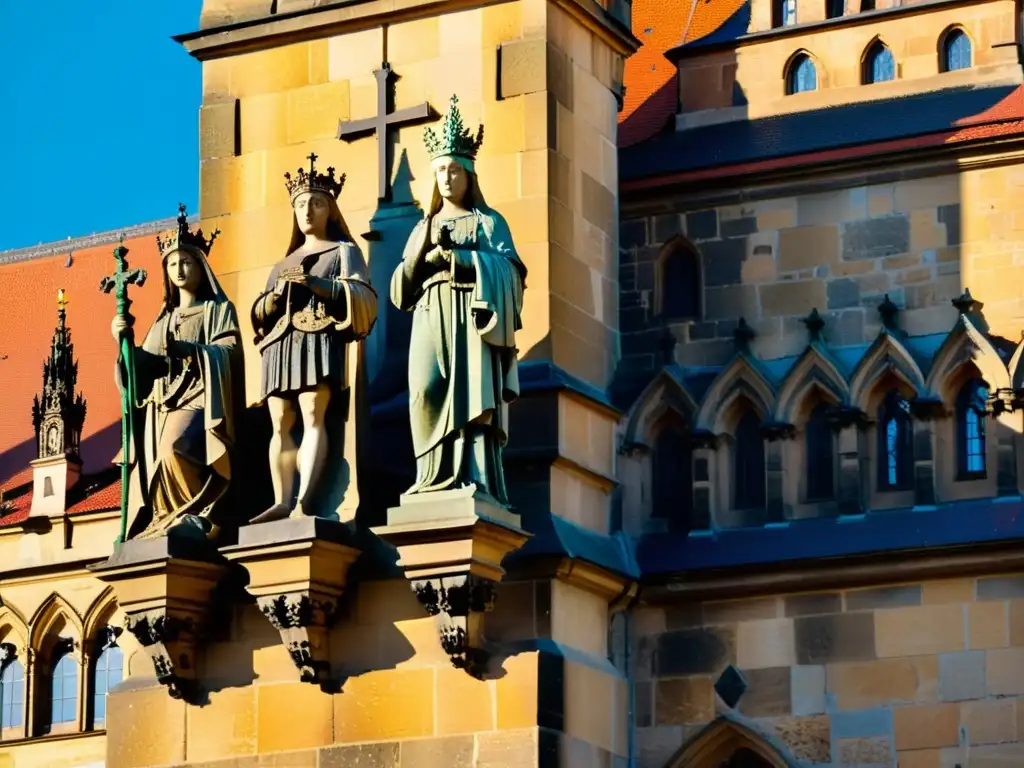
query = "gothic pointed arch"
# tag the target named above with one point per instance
(55, 616)
(965, 345)
(719, 740)
(886, 356)
(742, 378)
(814, 370)
(13, 627)
(99, 614)
(678, 281)
(665, 393)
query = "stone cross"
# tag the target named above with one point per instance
(350, 130)
(121, 279)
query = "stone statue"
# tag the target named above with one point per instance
(463, 281)
(185, 371)
(317, 304)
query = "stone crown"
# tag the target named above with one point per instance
(313, 181)
(183, 237)
(455, 138)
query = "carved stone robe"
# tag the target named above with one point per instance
(294, 360)
(185, 421)
(463, 371)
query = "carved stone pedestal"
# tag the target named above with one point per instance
(165, 588)
(298, 570)
(450, 545)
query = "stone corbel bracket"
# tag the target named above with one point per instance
(298, 571)
(165, 588)
(451, 545)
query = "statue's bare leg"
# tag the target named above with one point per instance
(283, 457)
(313, 450)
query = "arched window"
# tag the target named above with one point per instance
(783, 13)
(672, 468)
(108, 672)
(63, 689)
(895, 444)
(820, 450)
(956, 51)
(12, 695)
(679, 283)
(879, 65)
(834, 9)
(748, 474)
(970, 421)
(803, 76)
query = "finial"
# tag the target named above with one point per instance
(62, 300)
(742, 335)
(815, 324)
(965, 303)
(120, 239)
(888, 312)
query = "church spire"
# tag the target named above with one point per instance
(59, 413)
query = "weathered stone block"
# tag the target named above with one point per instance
(949, 591)
(794, 298)
(949, 215)
(883, 597)
(765, 643)
(746, 225)
(218, 130)
(684, 700)
(862, 724)
(381, 705)
(876, 750)
(730, 611)
(930, 726)
(808, 247)
(843, 293)
(702, 225)
(667, 226)
(225, 727)
(917, 631)
(841, 637)
(882, 682)
(515, 749)
(962, 676)
(361, 756)
(130, 740)
(807, 737)
(1004, 672)
(695, 651)
(807, 689)
(730, 302)
(1000, 587)
(874, 238)
(923, 758)
(723, 261)
(598, 204)
(845, 328)
(987, 625)
(813, 604)
(523, 67)
(314, 111)
(278, 730)
(990, 722)
(768, 692)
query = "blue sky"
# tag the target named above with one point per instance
(100, 111)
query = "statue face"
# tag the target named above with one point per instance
(312, 210)
(183, 271)
(452, 180)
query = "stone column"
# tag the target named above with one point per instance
(849, 424)
(925, 412)
(774, 435)
(29, 721)
(704, 444)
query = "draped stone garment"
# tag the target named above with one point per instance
(181, 461)
(463, 371)
(294, 361)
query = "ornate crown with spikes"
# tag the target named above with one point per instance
(455, 138)
(184, 237)
(314, 181)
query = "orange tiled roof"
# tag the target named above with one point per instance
(651, 79)
(28, 315)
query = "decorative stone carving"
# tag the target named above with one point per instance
(450, 545)
(166, 588)
(298, 571)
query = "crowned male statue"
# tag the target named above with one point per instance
(185, 371)
(463, 281)
(318, 304)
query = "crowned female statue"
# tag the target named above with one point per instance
(184, 379)
(317, 304)
(463, 281)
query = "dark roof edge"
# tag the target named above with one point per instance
(88, 241)
(694, 49)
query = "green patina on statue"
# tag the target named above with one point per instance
(463, 281)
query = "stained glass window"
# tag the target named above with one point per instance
(879, 64)
(803, 76)
(896, 446)
(956, 51)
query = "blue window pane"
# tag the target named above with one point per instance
(108, 673)
(957, 51)
(100, 709)
(881, 66)
(803, 76)
(892, 450)
(788, 13)
(64, 694)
